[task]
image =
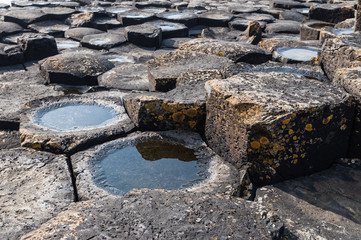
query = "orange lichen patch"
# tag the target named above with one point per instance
(151, 107)
(264, 140)
(161, 117)
(295, 156)
(294, 138)
(220, 54)
(303, 155)
(290, 132)
(178, 117)
(192, 124)
(192, 112)
(286, 121)
(169, 107)
(295, 161)
(327, 120)
(255, 144)
(293, 115)
(308, 127)
(283, 126)
(343, 127)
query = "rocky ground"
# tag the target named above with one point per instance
(265, 95)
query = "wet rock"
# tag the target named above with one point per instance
(24, 17)
(9, 28)
(51, 27)
(102, 40)
(214, 175)
(182, 108)
(134, 17)
(350, 80)
(10, 55)
(270, 44)
(188, 19)
(79, 33)
(164, 70)
(331, 13)
(298, 134)
(330, 32)
(215, 19)
(9, 139)
(283, 26)
(307, 55)
(126, 77)
(66, 135)
(310, 30)
(315, 207)
(286, 4)
(13, 98)
(173, 42)
(171, 30)
(34, 187)
(74, 68)
(64, 45)
(236, 51)
(146, 35)
(37, 46)
(164, 215)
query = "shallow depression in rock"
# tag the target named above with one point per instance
(75, 117)
(151, 164)
(298, 53)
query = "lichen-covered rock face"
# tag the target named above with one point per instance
(350, 80)
(165, 69)
(182, 108)
(34, 187)
(304, 203)
(342, 52)
(282, 125)
(98, 176)
(74, 68)
(65, 131)
(236, 51)
(163, 215)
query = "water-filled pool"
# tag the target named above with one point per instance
(302, 54)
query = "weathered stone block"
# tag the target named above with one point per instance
(37, 46)
(236, 51)
(333, 13)
(282, 126)
(182, 108)
(164, 70)
(34, 187)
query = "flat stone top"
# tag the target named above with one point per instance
(34, 186)
(353, 40)
(78, 64)
(159, 214)
(276, 93)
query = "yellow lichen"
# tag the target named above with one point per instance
(294, 138)
(308, 127)
(255, 144)
(192, 124)
(161, 117)
(290, 132)
(192, 112)
(286, 121)
(264, 140)
(327, 120)
(178, 117)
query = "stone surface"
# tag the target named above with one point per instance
(164, 70)
(54, 28)
(218, 176)
(102, 40)
(9, 139)
(9, 28)
(283, 26)
(236, 51)
(126, 77)
(310, 30)
(80, 32)
(331, 13)
(34, 187)
(325, 205)
(14, 96)
(134, 17)
(24, 17)
(10, 55)
(39, 137)
(37, 46)
(147, 35)
(74, 68)
(159, 214)
(253, 119)
(182, 108)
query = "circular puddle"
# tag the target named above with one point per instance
(176, 16)
(156, 164)
(154, 10)
(301, 54)
(136, 15)
(167, 26)
(118, 10)
(120, 59)
(99, 41)
(72, 117)
(67, 44)
(342, 31)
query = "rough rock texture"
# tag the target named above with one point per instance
(9, 139)
(331, 12)
(9, 28)
(164, 70)
(102, 40)
(145, 214)
(80, 32)
(342, 52)
(182, 108)
(218, 176)
(37, 46)
(75, 68)
(36, 136)
(269, 44)
(10, 55)
(34, 187)
(14, 96)
(236, 51)
(350, 80)
(127, 77)
(146, 35)
(282, 126)
(311, 30)
(24, 17)
(325, 205)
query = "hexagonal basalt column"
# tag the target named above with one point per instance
(69, 124)
(281, 125)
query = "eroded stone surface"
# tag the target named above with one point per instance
(283, 126)
(34, 187)
(163, 215)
